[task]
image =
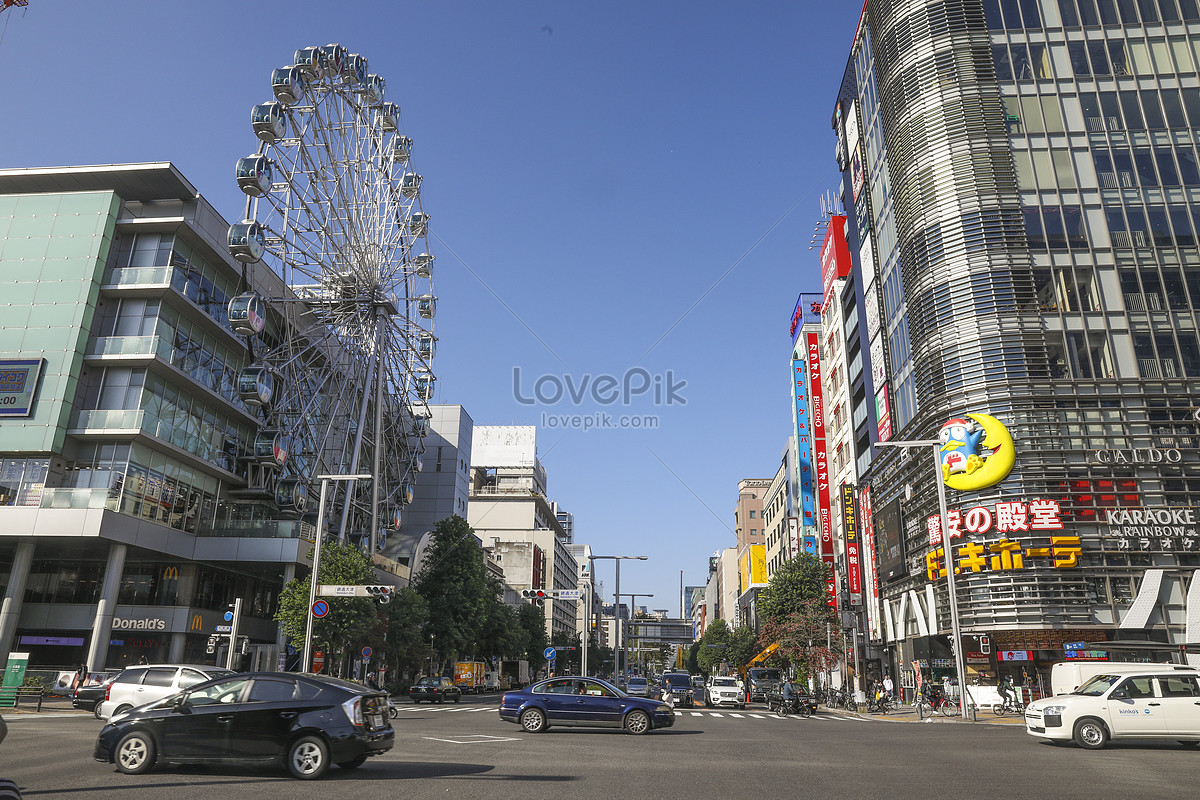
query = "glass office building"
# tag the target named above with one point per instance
(1023, 205)
(127, 524)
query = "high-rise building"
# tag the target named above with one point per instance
(1022, 210)
(443, 488)
(510, 514)
(141, 490)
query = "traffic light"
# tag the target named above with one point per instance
(211, 647)
(537, 596)
(381, 593)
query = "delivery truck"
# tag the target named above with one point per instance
(514, 674)
(468, 676)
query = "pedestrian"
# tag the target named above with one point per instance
(887, 686)
(80, 678)
(142, 660)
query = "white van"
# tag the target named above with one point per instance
(1067, 676)
(1123, 701)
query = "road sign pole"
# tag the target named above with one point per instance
(233, 631)
(305, 664)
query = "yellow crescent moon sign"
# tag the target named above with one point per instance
(999, 443)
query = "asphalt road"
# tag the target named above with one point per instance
(466, 751)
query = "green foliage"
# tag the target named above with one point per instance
(801, 579)
(714, 645)
(742, 646)
(533, 623)
(406, 646)
(691, 660)
(802, 636)
(454, 583)
(349, 621)
(501, 634)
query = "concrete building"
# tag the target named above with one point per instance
(140, 491)
(747, 515)
(510, 514)
(1021, 188)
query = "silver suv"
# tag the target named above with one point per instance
(136, 686)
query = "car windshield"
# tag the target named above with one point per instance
(725, 682)
(678, 681)
(764, 675)
(428, 682)
(637, 681)
(1097, 685)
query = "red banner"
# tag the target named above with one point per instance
(820, 461)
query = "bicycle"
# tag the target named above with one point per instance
(879, 705)
(927, 706)
(1010, 704)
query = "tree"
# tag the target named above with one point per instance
(714, 645)
(691, 660)
(742, 646)
(453, 582)
(501, 634)
(350, 621)
(406, 646)
(802, 578)
(533, 624)
(802, 635)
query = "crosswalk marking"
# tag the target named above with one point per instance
(440, 709)
(757, 716)
(738, 716)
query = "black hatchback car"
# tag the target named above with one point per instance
(308, 721)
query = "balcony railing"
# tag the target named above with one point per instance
(1158, 368)
(139, 276)
(145, 346)
(117, 419)
(79, 498)
(263, 529)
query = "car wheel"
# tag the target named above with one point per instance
(415, 700)
(121, 710)
(1090, 734)
(441, 699)
(96, 712)
(458, 698)
(1189, 742)
(308, 758)
(135, 753)
(637, 722)
(353, 764)
(533, 721)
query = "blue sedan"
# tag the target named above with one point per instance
(583, 701)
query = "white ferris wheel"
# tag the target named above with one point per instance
(343, 345)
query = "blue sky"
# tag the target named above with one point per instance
(601, 168)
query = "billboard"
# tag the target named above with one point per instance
(889, 538)
(870, 571)
(18, 379)
(807, 311)
(803, 427)
(977, 452)
(850, 533)
(835, 255)
(820, 458)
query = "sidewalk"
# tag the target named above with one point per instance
(908, 713)
(49, 704)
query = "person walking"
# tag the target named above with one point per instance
(888, 686)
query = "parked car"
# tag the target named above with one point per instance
(308, 721)
(639, 687)
(724, 691)
(89, 696)
(581, 701)
(136, 686)
(680, 686)
(435, 690)
(1124, 702)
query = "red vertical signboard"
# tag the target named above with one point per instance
(819, 458)
(853, 557)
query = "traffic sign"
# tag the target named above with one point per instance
(567, 594)
(549, 653)
(338, 590)
(229, 616)
(320, 609)
(318, 660)
(367, 652)
(1074, 645)
(224, 629)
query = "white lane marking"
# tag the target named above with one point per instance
(696, 714)
(738, 716)
(477, 738)
(757, 716)
(715, 714)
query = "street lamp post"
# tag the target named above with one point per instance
(586, 640)
(955, 631)
(617, 607)
(306, 663)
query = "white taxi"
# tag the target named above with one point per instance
(1125, 702)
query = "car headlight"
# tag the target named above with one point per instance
(664, 709)
(1057, 710)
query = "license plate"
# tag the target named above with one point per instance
(376, 721)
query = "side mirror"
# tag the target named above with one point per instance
(180, 703)
(1119, 694)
